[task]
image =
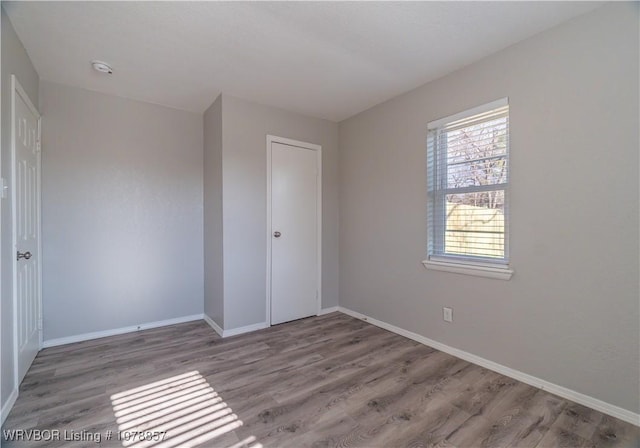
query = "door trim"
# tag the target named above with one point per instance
(318, 149)
(17, 90)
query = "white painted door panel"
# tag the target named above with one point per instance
(294, 257)
(26, 210)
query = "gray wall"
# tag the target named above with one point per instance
(245, 127)
(121, 212)
(213, 247)
(570, 313)
(14, 61)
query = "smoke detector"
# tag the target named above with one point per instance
(101, 67)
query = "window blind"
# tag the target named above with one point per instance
(468, 175)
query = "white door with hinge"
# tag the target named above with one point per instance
(26, 229)
(294, 215)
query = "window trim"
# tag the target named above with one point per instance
(469, 112)
(500, 272)
(470, 265)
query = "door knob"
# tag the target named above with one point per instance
(25, 255)
(277, 234)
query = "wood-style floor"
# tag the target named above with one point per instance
(319, 382)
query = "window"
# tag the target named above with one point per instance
(468, 176)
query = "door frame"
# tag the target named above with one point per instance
(17, 90)
(318, 150)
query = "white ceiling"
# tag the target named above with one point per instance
(324, 59)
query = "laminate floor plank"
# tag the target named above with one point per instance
(327, 381)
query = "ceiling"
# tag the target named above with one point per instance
(324, 59)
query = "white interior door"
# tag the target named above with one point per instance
(294, 232)
(26, 229)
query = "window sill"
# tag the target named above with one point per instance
(500, 273)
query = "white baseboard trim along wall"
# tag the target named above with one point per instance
(212, 323)
(332, 309)
(234, 331)
(164, 323)
(242, 330)
(253, 327)
(577, 397)
(6, 407)
(123, 330)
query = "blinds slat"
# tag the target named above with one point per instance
(483, 159)
(495, 114)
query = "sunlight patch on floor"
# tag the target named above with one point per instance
(183, 411)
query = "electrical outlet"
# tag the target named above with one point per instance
(447, 314)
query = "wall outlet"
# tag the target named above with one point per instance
(447, 314)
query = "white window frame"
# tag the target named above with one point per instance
(476, 266)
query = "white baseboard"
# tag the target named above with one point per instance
(233, 331)
(212, 323)
(6, 407)
(116, 331)
(242, 330)
(331, 309)
(254, 327)
(577, 397)
(569, 394)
